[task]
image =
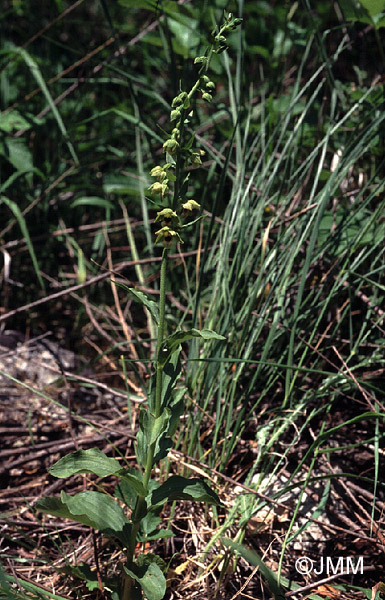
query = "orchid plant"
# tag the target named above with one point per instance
(142, 494)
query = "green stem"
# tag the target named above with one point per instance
(162, 305)
(179, 160)
(141, 500)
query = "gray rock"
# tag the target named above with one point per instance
(38, 362)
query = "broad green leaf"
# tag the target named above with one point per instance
(149, 558)
(54, 506)
(176, 339)
(151, 580)
(13, 120)
(185, 36)
(92, 201)
(143, 299)
(94, 509)
(254, 559)
(364, 11)
(160, 534)
(374, 7)
(354, 11)
(85, 461)
(104, 512)
(17, 153)
(149, 528)
(125, 492)
(181, 488)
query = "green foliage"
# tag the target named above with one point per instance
(157, 422)
(289, 264)
(85, 461)
(142, 298)
(150, 578)
(93, 509)
(254, 559)
(371, 12)
(174, 341)
(180, 488)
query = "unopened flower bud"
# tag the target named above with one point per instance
(175, 114)
(207, 97)
(180, 99)
(233, 24)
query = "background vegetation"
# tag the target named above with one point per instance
(288, 265)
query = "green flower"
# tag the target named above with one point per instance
(233, 23)
(167, 217)
(167, 236)
(195, 158)
(200, 60)
(188, 207)
(159, 173)
(158, 188)
(171, 146)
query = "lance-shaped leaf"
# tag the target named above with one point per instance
(143, 299)
(153, 426)
(181, 488)
(85, 461)
(176, 339)
(171, 373)
(90, 508)
(54, 506)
